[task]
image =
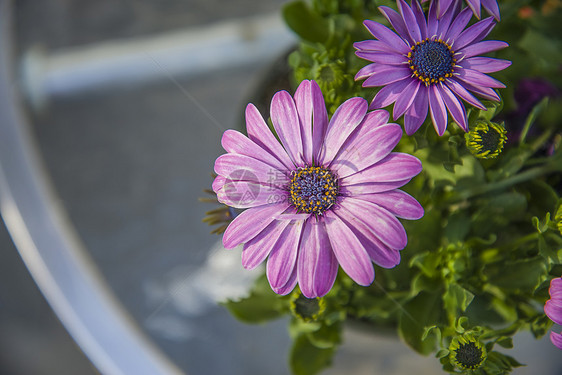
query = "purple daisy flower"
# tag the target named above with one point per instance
(429, 64)
(553, 309)
(490, 5)
(325, 195)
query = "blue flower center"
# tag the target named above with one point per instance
(431, 61)
(313, 190)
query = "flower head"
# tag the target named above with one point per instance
(467, 353)
(491, 7)
(486, 140)
(325, 195)
(431, 63)
(307, 309)
(553, 309)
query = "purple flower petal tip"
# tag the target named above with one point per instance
(419, 85)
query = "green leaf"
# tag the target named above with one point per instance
(262, 304)
(308, 359)
(456, 298)
(499, 364)
(420, 312)
(306, 23)
(523, 274)
(505, 342)
(540, 325)
(457, 227)
(328, 336)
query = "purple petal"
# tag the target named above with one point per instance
(485, 64)
(388, 94)
(482, 47)
(437, 110)
(387, 76)
(285, 120)
(395, 167)
(283, 257)
(470, 34)
(237, 143)
(397, 23)
(373, 45)
(312, 115)
(556, 339)
(417, 112)
(218, 183)
(319, 119)
(379, 253)
(485, 92)
(288, 288)
(244, 168)
(405, 100)
(420, 19)
(371, 188)
(459, 90)
(375, 119)
(343, 123)
(367, 150)
(384, 34)
(555, 288)
(245, 194)
(475, 6)
(317, 265)
(455, 107)
(554, 310)
(445, 19)
(409, 20)
(397, 202)
(432, 22)
(492, 7)
(379, 221)
(249, 223)
(258, 248)
(476, 78)
(259, 132)
(383, 57)
(348, 250)
(458, 25)
(442, 7)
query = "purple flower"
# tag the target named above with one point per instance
(553, 309)
(490, 5)
(429, 64)
(326, 194)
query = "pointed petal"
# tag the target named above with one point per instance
(556, 339)
(437, 110)
(409, 20)
(218, 183)
(384, 34)
(373, 45)
(313, 118)
(285, 120)
(459, 90)
(420, 19)
(485, 92)
(553, 311)
(405, 100)
(387, 76)
(317, 266)
(485, 64)
(417, 112)
(388, 94)
(492, 7)
(445, 19)
(371, 187)
(288, 288)
(432, 22)
(259, 132)
(397, 22)
(348, 250)
(482, 47)
(471, 33)
(258, 248)
(246, 194)
(395, 167)
(442, 7)
(347, 117)
(458, 25)
(475, 6)
(283, 257)
(397, 202)
(379, 253)
(244, 168)
(237, 143)
(380, 222)
(367, 150)
(455, 107)
(249, 223)
(476, 78)
(389, 58)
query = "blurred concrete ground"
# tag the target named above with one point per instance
(128, 165)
